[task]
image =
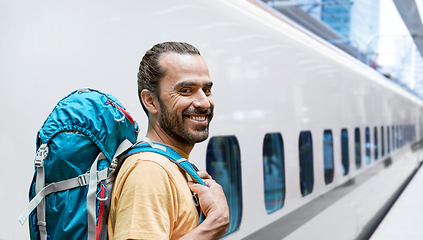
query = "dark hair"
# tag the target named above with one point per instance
(150, 72)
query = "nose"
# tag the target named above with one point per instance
(202, 100)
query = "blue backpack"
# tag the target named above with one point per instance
(78, 148)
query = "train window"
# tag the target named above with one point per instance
(368, 144)
(223, 163)
(421, 130)
(328, 156)
(401, 136)
(414, 132)
(393, 138)
(411, 127)
(273, 172)
(345, 152)
(357, 145)
(388, 140)
(375, 142)
(382, 141)
(398, 138)
(405, 134)
(305, 149)
(411, 132)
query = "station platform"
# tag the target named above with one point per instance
(405, 218)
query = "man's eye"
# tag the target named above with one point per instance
(207, 91)
(186, 90)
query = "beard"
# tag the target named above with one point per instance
(175, 126)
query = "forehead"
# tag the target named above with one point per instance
(184, 67)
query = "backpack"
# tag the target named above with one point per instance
(78, 148)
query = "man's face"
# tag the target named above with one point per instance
(186, 102)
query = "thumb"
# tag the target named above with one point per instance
(196, 187)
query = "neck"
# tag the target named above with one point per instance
(156, 134)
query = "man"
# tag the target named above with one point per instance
(151, 196)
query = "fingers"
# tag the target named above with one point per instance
(196, 187)
(204, 175)
(212, 198)
(210, 182)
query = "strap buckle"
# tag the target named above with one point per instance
(42, 153)
(113, 166)
(82, 180)
(196, 200)
(42, 223)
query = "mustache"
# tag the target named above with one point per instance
(198, 111)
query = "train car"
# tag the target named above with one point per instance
(307, 142)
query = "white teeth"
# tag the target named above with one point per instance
(198, 118)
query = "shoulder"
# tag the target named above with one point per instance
(147, 165)
(146, 160)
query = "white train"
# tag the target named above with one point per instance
(307, 142)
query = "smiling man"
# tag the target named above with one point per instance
(152, 197)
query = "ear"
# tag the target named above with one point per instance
(150, 101)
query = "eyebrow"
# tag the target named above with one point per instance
(188, 83)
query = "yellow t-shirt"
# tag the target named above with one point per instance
(151, 200)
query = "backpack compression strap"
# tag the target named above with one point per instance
(81, 180)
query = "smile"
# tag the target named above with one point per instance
(197, 118)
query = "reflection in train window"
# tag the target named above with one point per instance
(388, 140)
(224, 165)
(368, 145)
(357, 145)
(375, 142)
(382, 141)
(393, 138)
(305, 149)
(328, 156)
(273, 172)
(345, 152)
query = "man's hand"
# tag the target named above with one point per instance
(214, 206)
(212, 199)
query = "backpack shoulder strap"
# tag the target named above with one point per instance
(146, 145)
